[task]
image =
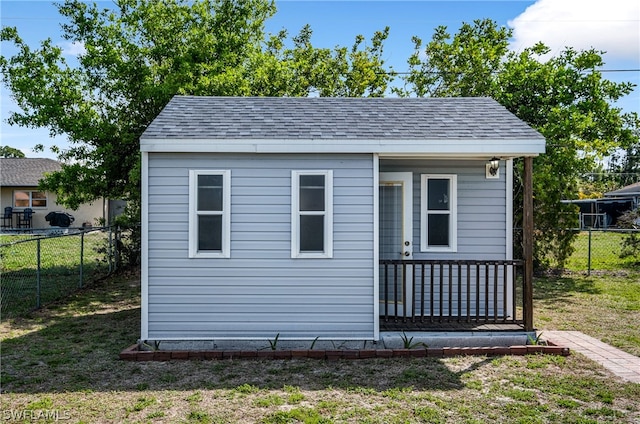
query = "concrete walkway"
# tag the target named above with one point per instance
(622, 364)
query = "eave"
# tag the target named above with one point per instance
(386, 147)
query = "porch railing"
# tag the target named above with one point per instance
(463, 291)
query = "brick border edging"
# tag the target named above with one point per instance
(133, 354)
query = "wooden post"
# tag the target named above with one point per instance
(527, 237)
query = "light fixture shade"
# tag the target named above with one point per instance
(492, 167)
(495, 163)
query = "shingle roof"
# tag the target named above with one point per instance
(25, 172)
(323, 118)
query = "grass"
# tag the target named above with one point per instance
(64, 359)
(606, 307)
(59, 268)
(605, 304)
(606, 247)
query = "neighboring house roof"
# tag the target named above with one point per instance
(630, 190)
(25, 172)
(355, 125)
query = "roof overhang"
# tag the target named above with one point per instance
(386, 147)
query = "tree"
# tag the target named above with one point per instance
(464, 66)
(141, 53)
(136, 58)
(10, 152)
(565, 98)
(624, 165)
(303, 70)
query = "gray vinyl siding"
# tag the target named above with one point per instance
(260, 290)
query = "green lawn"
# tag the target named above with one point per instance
(59, 268)
(605, 252)
(64, 358)
(604, 306)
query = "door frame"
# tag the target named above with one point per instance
(405, 252)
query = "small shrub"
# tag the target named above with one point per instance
(273, 344)
(631, 242)
(536, 341)
(409, 344)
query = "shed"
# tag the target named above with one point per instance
(332, 218)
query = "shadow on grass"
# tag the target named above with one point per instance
(81, 354)
(19, 290)
(74, 347)
(559, 289)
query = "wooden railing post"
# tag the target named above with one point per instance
(527, 238)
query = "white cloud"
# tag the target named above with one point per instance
(73, 49)
(609, 25)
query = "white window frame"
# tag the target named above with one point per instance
(225, 252)
(327, 213)
(452, 212)
(30, 193)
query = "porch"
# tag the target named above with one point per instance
(453, 296)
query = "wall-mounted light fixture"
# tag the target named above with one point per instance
(492, 168)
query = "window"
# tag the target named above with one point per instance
(311, 214)
(29, 199)
(438, 220)
(209, 214)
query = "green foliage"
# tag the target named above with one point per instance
(273, 344)
(129, 236)
(464, 65)
(302, 69)
(631, 242)
(269, 401)
(295, 395)
(624, 165)
(564, 97)
(296, 415)
(10, 152)
(199, 417)
(408, 343)
(313, 343)
(535, 341)
(247, 388)
(142, 403)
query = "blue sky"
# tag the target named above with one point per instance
(612, 26)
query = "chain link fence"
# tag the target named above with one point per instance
(605, 250)
(586, 250)
(39, 269)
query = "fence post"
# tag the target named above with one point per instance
(117, 248)
(589, 254)
(38, 274)
(81, 258)
(109, 247)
